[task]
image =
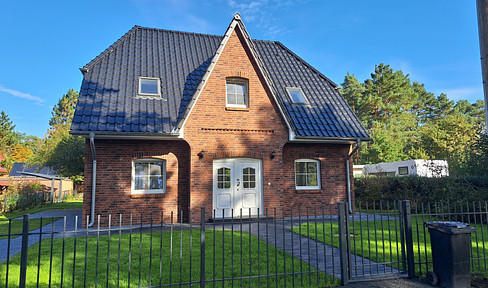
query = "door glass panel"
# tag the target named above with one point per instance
(249, 177)
(223, 178)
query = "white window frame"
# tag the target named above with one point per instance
(148, 191)
(140, 93)
(318, 174)
(288, 89)
(238, 81)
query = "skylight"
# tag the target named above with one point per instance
(149, 86)
(296, 95)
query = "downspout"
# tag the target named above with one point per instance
(348, 171)
(94, 178)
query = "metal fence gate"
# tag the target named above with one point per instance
(375, 241)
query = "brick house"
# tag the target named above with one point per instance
(175, 121)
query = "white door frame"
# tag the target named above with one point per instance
(232, 198)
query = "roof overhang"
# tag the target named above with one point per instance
(130, 136)
(331, 140)
(44, 176)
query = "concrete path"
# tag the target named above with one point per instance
(56, 226)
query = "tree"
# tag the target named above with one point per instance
(60, 150)
(408, 122)
(63, 112)
(20, 153)
(8, 139)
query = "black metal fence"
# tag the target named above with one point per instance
(310, 247)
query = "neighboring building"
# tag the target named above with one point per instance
(357, 170)
(175, 121)
(60, 187)
(419, 167)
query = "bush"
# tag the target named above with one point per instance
(421, 189)
(25, 195)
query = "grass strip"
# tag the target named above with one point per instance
(142, 259)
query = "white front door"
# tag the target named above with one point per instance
(237, 184)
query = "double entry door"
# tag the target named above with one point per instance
(237, 184)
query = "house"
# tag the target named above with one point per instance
(418, 167)
(23, 173)
(175, 121)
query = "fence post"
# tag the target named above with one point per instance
(341, 209)
(23, 253)
(202, 247)
(407, 217)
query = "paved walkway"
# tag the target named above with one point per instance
(56, 226)
(317, 254)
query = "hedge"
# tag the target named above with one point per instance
(421, 189)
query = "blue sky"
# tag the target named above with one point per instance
(43, 43)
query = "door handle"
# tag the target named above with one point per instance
(238, 182)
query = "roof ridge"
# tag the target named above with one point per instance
(307, 64)
(178, 31)
(97, 59)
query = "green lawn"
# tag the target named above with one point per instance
(372, 240)
(140, 261)
(16, 226)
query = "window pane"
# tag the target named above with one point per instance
(231, 88)
(297, 96)
(141, 183)
(312, 180)
(141, 169)
(220, 185)
(156, 168)
(246, 184)
(149, 86)
(156, 182)
(240, 99)
(312, 167)
(231, 99)
(300, 167)
(301, 180)
(227, 184)
(240, 89)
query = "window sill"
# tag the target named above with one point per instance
(237, 109)
(147, 195)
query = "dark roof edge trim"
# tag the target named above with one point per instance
(121, 135)
(329, 139)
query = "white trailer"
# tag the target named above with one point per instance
(419, 167)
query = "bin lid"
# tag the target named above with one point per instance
(450, 227)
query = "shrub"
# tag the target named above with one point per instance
(421, 189)
(25, 195)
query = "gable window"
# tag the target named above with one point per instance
(237, 93)
(296, 95)
(403, 170)
(148, 176)
(307, 174)
(149, 87)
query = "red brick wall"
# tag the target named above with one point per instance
(114, 172)
(333, 188)
(222, 133)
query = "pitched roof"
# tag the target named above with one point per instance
(18, 170)
(108, 104)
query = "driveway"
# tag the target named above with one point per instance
(57, 226)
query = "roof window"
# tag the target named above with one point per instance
(149, 86)
(296, 95)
